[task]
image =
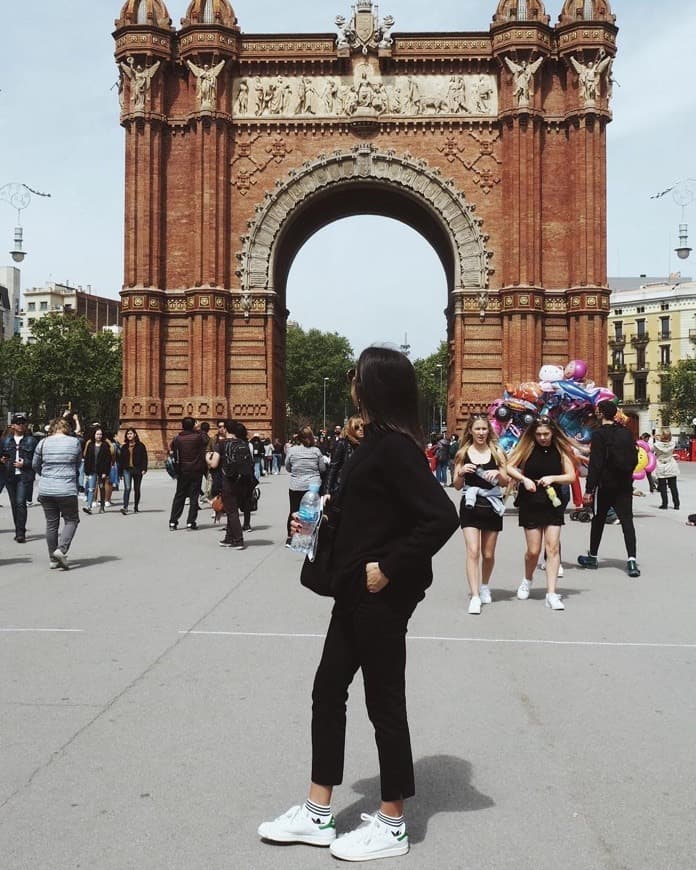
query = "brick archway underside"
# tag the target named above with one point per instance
(363, 180)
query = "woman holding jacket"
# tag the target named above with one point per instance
(97, 455)
(132, 465)
(394, 518)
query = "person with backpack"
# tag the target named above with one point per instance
(613, 458)
(442, 456)
(233, 457)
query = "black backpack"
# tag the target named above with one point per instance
(236, 459)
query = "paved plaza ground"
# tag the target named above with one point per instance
(155, 701)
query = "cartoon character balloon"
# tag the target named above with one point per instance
(647, 461)
(576, 370)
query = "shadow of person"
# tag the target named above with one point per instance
(443, 784)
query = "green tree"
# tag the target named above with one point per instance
(64, 364)
(432, 396)
(310, 357)
(679, 393)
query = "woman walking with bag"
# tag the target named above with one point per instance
(394, 518)
(480, 467)
(132, 465)
(542, 461)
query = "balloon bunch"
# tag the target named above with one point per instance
(647, 461)
(564, 395)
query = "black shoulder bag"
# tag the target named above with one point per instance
(317, 573)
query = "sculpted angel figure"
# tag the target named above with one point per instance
(206, 83)
(140, 78)
(589, 76)
(523, 75)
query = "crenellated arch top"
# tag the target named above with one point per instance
(210, 12)
(363, 180)
(586, 10)
(520, 10)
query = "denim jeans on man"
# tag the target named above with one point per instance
(19, 487)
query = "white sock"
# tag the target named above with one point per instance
(318, 810)
(390, 821)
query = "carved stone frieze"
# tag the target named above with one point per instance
(301, 97)
(441, 197)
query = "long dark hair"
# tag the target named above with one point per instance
(387, 392)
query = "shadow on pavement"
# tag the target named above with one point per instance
(97, 560)
(443, 784)
(23, 560)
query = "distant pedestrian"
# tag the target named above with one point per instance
(667, 470)
(442, 446)
(613, 458)
(132, 465)
(234, 460)
(278, 455)
(189, 448)
(306, 464)
(344, 448)
(57, 462)
(268, 456)
(16, 454)
(97, 456)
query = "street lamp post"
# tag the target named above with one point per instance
(439, 365)
(18, 196)
(326, 380)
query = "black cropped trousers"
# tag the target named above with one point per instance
(370, 637)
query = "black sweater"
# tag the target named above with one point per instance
(394, 512)
(600, 471)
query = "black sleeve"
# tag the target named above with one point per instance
(337, 461)
(434, 517)
(597, 455)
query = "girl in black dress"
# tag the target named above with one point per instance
(480, 468)
(542, 461)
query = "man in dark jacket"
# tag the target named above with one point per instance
(613, 458)
(189, 446)
(16, 455)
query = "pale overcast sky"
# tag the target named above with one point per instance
(59, 133)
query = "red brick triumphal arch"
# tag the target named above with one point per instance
(239, 147)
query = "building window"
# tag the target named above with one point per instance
(618, 329)
(618, 388)
(665, 391)
(640, 309)
(618, 312)
(665, 356)
(640, 389)
(640, 328)
(31, 306)
(208, 14)
(617, 358)
(43, 306)
(664, 306)
(664, 329)
(141, 13)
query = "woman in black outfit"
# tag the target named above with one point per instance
(343, 450)
(542, 461)
(132, 465)
(394, 518)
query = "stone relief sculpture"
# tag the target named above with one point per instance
(141, 79)
(523, 78)
(364, 31)
(590, 76)
(206, 83)
(367, 92)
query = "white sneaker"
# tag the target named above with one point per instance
(541, 565)
(298, 826)
(374, 839)
(475, 606)
(61, 559)
(560, 570)
(523, 590)
(107, 504)
(485, 595)
(553, 600)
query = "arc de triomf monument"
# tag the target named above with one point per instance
(239, 147)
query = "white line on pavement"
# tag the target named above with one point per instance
(597, 643)
(44, 630)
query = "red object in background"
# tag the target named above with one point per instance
(683, 454)
(693, 449)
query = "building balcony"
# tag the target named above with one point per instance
(639, 368)
(692, 335)
(636, 402)
(617, 369)
(664, 336)
(640, 339)
(617, 341)
(662, 367)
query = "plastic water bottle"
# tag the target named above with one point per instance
(308, 515)
(555, 500)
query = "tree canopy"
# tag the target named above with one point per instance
(311, 357)
(679, 392)
(432, 386)
(64, 364)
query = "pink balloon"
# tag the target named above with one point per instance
(576, 370)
